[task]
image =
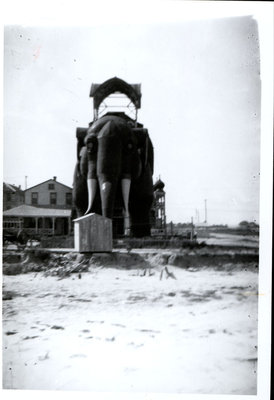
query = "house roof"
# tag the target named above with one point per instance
(49, 180)
(29, 211)
(12, 188)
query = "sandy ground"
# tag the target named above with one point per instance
(113, 329)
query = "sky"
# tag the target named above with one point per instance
(201, 103)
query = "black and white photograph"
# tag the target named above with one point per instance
(137, 199)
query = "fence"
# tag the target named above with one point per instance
(58, 242)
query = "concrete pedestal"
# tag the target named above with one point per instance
(93, 233)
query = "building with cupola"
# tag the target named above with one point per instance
(158, 209)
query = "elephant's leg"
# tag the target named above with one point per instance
(108, 192)
(140, 217)
(125, 183)
(141, 198)
(79, 192)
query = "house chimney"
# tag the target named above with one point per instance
(54, 178)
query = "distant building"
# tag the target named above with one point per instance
(13, 196)
(158, 209)
(45, 210)
(49, 194)
(35, 221)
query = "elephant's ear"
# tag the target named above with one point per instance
(149, 154)
(83, 161)
(145, 148)
(136, 165)
(80, 135)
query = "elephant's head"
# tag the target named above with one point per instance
(113, 159)
(114, 171)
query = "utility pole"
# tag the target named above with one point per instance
(197, 216)
(205, 211)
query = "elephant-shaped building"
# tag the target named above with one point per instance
(113, 174)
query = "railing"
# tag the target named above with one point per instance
(12, 224)
(150, 242)
(40, 231)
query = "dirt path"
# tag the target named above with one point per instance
(116, 330)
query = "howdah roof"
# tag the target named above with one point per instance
(99, 91)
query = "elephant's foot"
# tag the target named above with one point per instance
(127, 232)
(127, 225)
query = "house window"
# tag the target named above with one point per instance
(51, 186)
(8, 196)
(68, 199)
(34, 198)
(53, 198)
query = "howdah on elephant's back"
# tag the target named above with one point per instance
(113, 174)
